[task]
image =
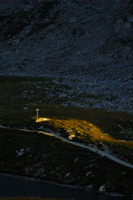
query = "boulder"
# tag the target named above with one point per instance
(127, 49)
(63, 95)
(130, 20)
(127, 25)
(102, 189)
(118, 25)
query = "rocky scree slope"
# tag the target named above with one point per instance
(87, 43)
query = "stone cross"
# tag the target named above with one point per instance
(37, 112)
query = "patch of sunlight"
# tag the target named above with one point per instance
(83, 131)
(42, 119)
(128, 144)
(81, 128)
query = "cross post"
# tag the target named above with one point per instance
(37, 112)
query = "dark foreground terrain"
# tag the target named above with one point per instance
(40, 156)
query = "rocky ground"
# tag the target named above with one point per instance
(87, 44)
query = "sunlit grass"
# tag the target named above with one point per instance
(81, 129)
(85, 131)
